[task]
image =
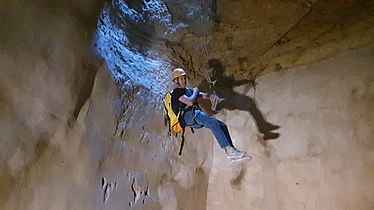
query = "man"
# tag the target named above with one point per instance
(185, 100)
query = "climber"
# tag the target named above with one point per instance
(185, 99)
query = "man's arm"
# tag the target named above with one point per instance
(206, 95)
(189, 101)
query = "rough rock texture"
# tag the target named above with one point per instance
(72, 137)
(81, 130)
(251, 37)
(47, 74)
(323, 156)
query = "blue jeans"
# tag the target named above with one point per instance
(199, 119)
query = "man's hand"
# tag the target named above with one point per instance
(195, 94)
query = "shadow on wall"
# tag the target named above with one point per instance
(224, 88)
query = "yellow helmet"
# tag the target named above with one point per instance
(178, 72)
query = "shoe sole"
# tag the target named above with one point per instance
(239, 159)
(233, 157)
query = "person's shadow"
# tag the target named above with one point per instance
(224, 88)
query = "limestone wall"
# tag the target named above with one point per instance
(324, 155)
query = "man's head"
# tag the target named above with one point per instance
(179, 77)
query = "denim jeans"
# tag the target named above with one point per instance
(199, 119)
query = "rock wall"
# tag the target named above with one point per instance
(323, 156)
(73, 137)
(47, 74)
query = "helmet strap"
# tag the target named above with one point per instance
(177, 81)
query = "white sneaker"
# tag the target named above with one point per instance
(234, 153)
(239, 159)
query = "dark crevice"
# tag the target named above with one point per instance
(284, 36)
(86, 88)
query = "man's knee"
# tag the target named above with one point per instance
(213, 122)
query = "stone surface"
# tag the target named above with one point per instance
(323, 156)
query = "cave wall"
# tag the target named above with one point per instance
(67, 123)
(323, 156)
(47, 73)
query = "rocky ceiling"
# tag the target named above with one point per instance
(242, 37)
(250, 37)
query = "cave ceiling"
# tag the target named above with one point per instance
(241, 38)
(253, 37)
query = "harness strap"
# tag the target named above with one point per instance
(167, 120)
(193, 108)
(182, 143)
(183, 111)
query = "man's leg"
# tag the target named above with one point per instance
(218, 128)
(226, 131)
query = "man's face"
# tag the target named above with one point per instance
(182, 81)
